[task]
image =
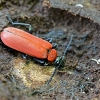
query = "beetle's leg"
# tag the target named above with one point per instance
(54, 45)
(24, 56)
(23, 24)
(42, 62)
(49, 40)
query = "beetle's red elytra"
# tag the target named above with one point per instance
(29, 44)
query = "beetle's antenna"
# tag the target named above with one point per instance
(61, 60)
(71, 38)
(23, 24)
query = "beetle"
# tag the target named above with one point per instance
(29, 44)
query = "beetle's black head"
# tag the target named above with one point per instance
(60, 62)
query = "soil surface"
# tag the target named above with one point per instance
(85, 8)
(21, 78)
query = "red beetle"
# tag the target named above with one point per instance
(28, 44)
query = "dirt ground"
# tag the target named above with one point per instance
(23, 79)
